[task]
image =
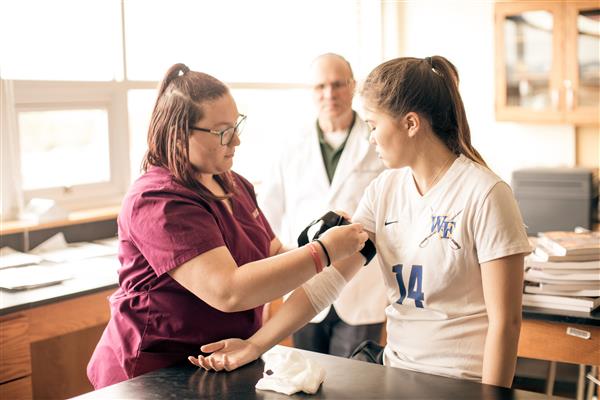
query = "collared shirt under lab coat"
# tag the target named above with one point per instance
(297, 191)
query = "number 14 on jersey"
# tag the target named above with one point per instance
(415, 284)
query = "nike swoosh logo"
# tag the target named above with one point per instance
(386, 223)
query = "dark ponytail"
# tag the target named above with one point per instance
(461, 142)
(428, 87)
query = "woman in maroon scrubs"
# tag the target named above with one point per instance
(197, 254)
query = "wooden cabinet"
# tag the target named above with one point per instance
(18, 389)
(44, 350)
(15, 358)
(548, 61)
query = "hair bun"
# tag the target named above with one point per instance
(183, 69)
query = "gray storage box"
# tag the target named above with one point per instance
(556, 198)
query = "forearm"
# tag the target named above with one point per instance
(230, 354)
(284, 249)
(299, 309)
(214, 276)
(500, 354)
(304, 303)
(262, 281)
(296, 312)
(280, 274)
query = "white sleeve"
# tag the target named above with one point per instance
(365, 212)
(498, 227)
(271, 196)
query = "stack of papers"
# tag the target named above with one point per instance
(32, 276)
(19, 271)
(12, 258)
(584, 304)
(76, 252)
(56, 249)
(564, 271)
(563, 246)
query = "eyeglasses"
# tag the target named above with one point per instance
(335, 85)
(226, 134)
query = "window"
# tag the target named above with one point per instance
(65, 144)
(238, 40)
(60, 40)
(52, 141)
(79, 81)
(61, 110)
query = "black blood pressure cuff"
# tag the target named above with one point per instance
(329, 220)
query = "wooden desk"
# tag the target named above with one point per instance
(544, 336)
(47, 335)
(345, 379)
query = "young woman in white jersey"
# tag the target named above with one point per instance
(449, 236)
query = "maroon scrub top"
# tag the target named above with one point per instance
(155, 322)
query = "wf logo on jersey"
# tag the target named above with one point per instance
(444, 228)
(441, 225)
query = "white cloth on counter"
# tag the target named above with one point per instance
(289, 372)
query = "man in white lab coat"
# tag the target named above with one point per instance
(328, 168)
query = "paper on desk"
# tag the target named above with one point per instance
(12, 258)
(55, 242)
(56, 249)
(32, 276)
(112, 242)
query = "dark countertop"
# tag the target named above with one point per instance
(345, 379)
(89, 276)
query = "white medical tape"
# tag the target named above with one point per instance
(323, 288)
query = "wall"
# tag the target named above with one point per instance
(588, 146)
(463, 32)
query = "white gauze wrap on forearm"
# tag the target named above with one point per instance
(323, 288)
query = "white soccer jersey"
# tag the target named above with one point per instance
(430, 249)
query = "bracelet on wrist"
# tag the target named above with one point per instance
(324, 251)
(315, 256)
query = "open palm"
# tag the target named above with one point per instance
(227, 354)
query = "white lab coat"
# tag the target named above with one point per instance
(297, 191)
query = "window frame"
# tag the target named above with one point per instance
(73, 95)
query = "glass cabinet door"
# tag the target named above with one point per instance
(582, 83)
(528, 64)
(588, 57)
(528, 59)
